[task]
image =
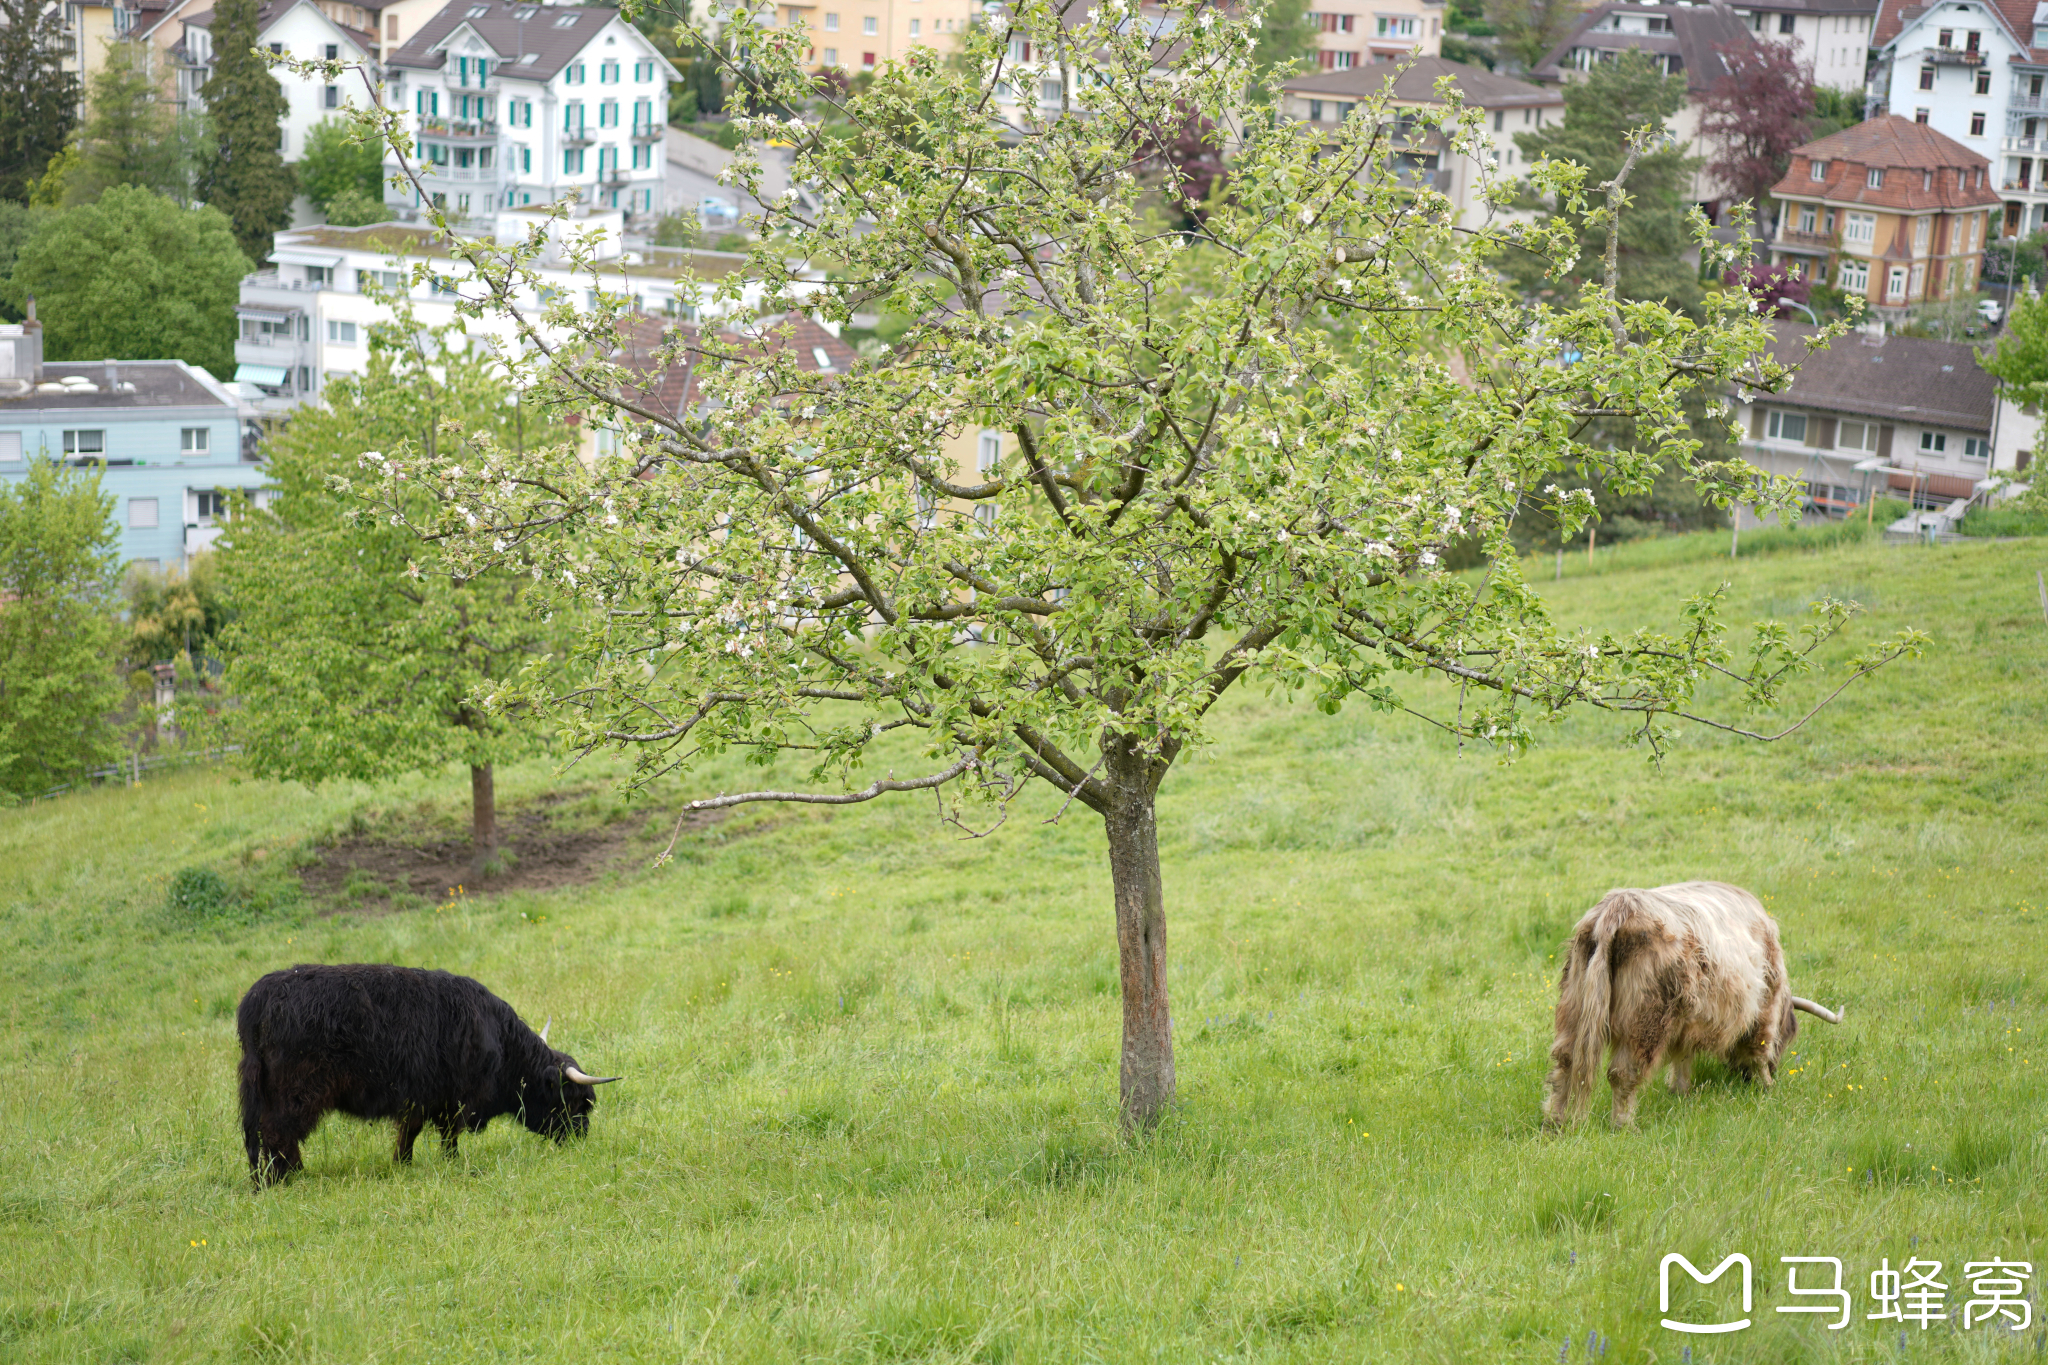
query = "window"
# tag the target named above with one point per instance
(10, 447)
(989, 451)
(1975, 447)
(194, 440)
(1921, 115)
(333, 52)
(1976, 123)
(1874, 179)
(85, 445)
(1827, 222)
(869, 26)
(1787, 426)
(277, 48)
(831, 23)
(1922, 230)
(427, 104)
(567, 21)
(1786, 23)
(608, 72)
(823, 357)
(1895, 285)
(1926, 78)
(1049, 92)
(1856, 435)
(341, 333)
(1859, 228)
(369, 281)
(526, 161)
(390, 28)
(1315, 111)
(1933, 442)
(831, 56)
(1854, 277)
(476, 11)
(142, 514)
(867, 60)
(608, 114)
(573, 75)
(320, 276)
(572, 117)
(1984, 81)
(1806, 217)
(572, 161)
(330, 97)
(641, 158)
(209, 505)
(1817, 171)
(914, 28)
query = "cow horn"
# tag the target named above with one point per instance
(545, 1027)
(575, 1074)
(1818, 1011)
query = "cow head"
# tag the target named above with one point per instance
(560, 1096)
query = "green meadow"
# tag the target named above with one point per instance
(869, 1112)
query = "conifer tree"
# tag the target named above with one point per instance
(246, 177)
(38, 98)
(130, 134)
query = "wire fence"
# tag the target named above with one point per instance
(132, 769)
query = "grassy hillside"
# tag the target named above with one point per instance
(869, 1112)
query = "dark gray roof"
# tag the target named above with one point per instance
(1811, 6)
(1902, 378)
(1698, 32)
(1415, 83)
(552, 34)
(136, 384)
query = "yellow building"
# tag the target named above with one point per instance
(859, 35)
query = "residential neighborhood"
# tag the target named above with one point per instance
(627, 631)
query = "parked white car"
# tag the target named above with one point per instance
(1991, 310)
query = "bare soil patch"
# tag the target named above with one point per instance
(398, 864)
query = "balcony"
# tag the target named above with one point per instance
(615, 179)
(457, 130)
(2023, 144)
(648, 132)
(1792, 239)
(466, 175)
(576, 137)
(2027, 104)
(1951, 56)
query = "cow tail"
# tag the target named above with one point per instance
(1583, 1004)
(251, 1078)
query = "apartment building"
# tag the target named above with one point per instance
(294, 28)
(514, 104)
(859, 35)
(309, 317)
(1832, 37)
(1976, 71)
(1508, 105)
(1874, 416)
(1681, 39)
(1355, 33)
(1889, 209)
(169, 439)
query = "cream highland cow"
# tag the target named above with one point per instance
(1663, 976)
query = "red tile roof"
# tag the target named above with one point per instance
(1924, 171)
(676, 390)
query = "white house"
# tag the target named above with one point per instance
(517, 104)
(308, 317)
(295, 28)
(1978, 72)
(1832, 37)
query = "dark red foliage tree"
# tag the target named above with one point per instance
(1191, 155)
(1772, 286)
(1752, 119)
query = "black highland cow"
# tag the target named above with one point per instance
(398, 1043)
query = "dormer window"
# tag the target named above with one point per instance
(1927, 180)
(476, 11)
(1819, 170)
(1875, 180)
(566, 21)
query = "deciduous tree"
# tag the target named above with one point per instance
(245, 175)
(1601, 112)
(59, 559)
(130, 135)
(337, 163)
(132, 276)
(349, 658)
(1752, 118)
(1193, 485)
(1524, 30)
(38, 97)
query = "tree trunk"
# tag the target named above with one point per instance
(483, 816)
(1145, 1082)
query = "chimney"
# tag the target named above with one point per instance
(31, 322)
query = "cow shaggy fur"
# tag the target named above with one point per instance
(1666, 975)
(381, 1042)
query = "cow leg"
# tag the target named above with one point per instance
(408, 1130)
(1681, 1074)
(450, 1126)
(279, 1134)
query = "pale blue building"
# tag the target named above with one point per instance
(171, 438)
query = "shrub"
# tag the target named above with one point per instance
(2004, 521)
(200, 897)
